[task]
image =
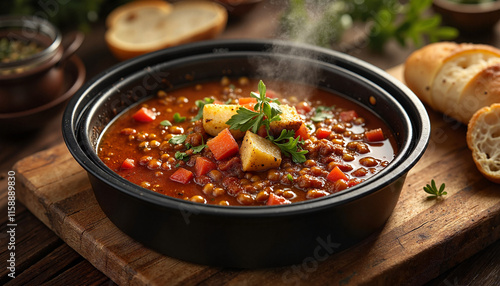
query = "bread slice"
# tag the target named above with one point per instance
(422, 66)
(482, 90)
(141, 27)
(446, 77)
(483, 139)
(455, 74)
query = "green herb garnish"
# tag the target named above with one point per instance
(289, 177)
(434, 191)
(267, 110)
(165, 123)
(198, 149)
(321, 115)
(290, 147)
(177, 139)
(200, 104)
(178, 118)
(181, 156)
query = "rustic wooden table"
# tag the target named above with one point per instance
(42, 257)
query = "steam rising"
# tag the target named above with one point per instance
(322, 22)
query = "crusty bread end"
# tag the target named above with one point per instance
(483, 139)
(447, 76)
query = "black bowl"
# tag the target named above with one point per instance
(246, 237)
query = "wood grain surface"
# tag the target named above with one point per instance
(422, 239)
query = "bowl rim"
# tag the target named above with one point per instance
(75, 110)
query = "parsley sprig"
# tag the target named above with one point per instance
(181, 139)
(266, 111)
(434, 191)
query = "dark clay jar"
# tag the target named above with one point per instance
(38, 78)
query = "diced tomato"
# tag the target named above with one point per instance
(128, 164)
(336, 174)
(203, 165)
(322, 133)
(375, 135)
(223, 145)
(144, 115)
(277, 200)
(303, 107)
(348, 116)
(182, 176)
(302, 132)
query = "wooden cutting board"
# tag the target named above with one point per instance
(423, 237)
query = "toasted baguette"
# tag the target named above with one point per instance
(141, 27)
(455, 79)
(483, 139)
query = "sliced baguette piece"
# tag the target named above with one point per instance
(138, 28)
(443, 74)
(422, 66)
(483, 139)
(482, 90)
(456, 73)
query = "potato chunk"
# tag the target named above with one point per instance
(290, 120)
(215, 117)
(258, 154)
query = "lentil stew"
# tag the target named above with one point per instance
(178, 143)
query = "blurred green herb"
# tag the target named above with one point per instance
(321, 115)
(165, 123)
(384, 20)
(434, 191)
(178, 118)
(177, 139)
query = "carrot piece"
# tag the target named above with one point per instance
(348, 116)
(323, 133)
(302, 132)
(247, 100)
(277, 200)
(144, 115)
(336, 174)
(223, 145)
(203, 165)
(128, 164)
(182, 176)
(374, 135)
